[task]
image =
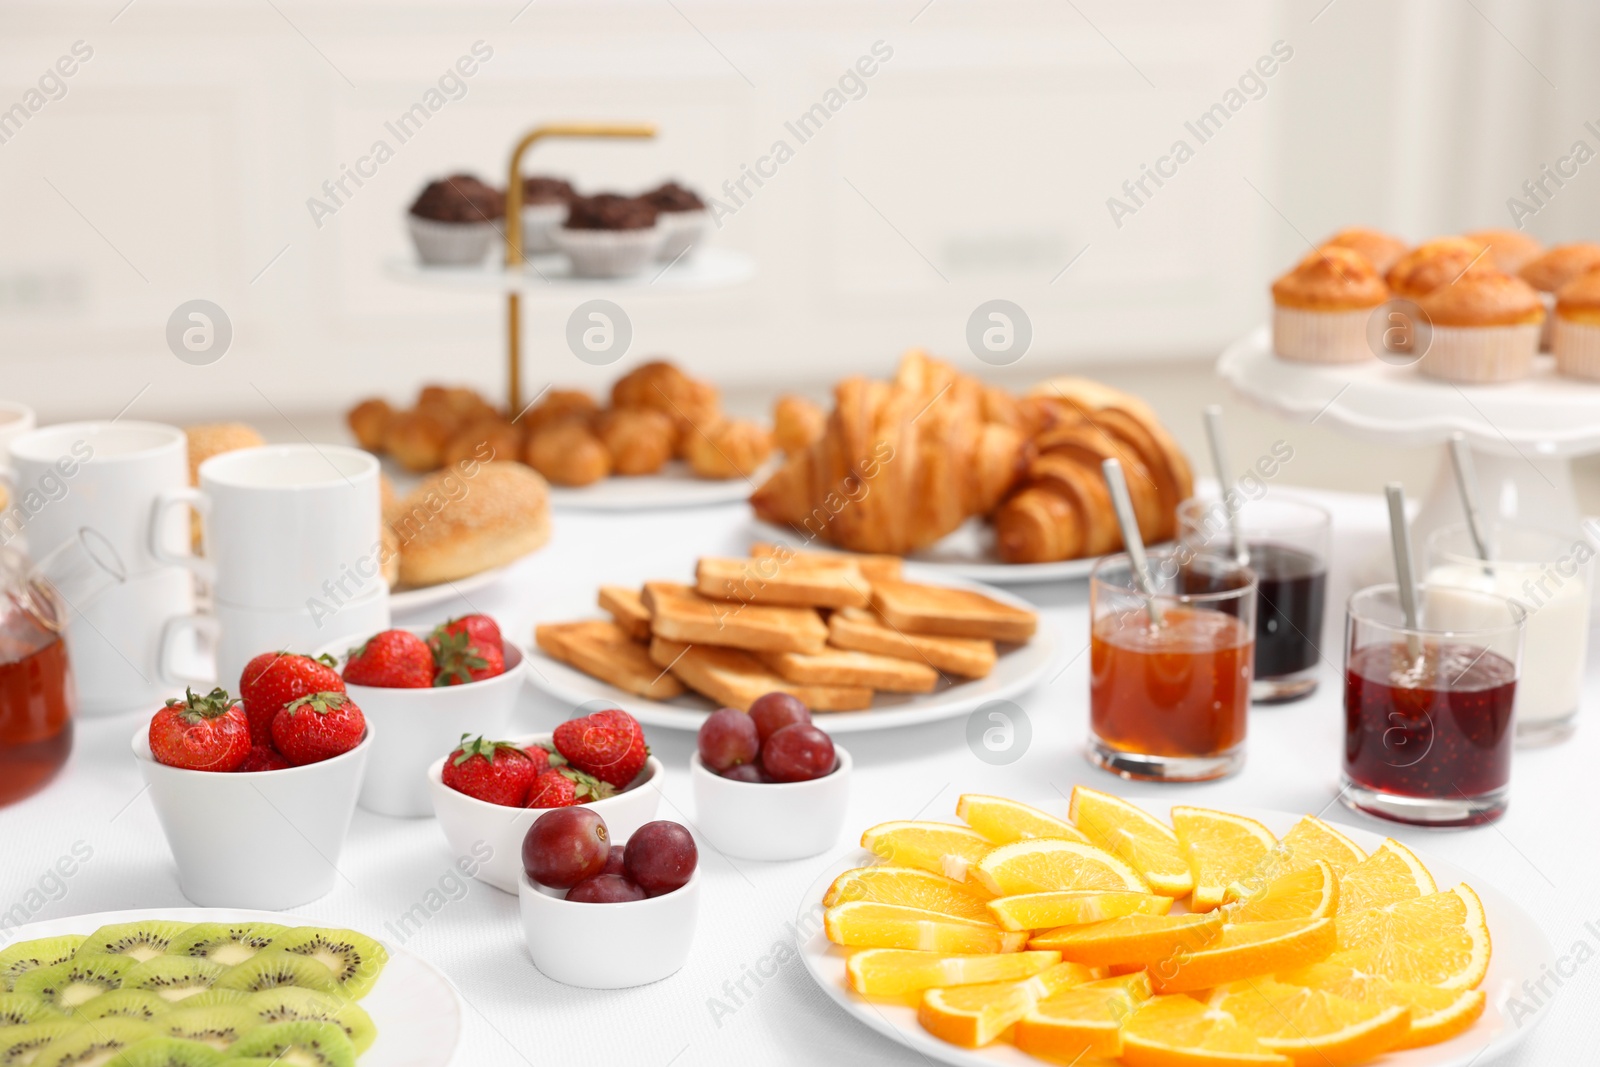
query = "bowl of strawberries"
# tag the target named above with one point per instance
(600, 761)
(423, 688)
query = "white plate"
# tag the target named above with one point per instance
(418, 1012)
(428, 595)
(675, 487)
(710, 267)
(1520, 949)
(1019, 668)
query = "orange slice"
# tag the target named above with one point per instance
(1245, 950)
(864, 924)
(893, 971)
(1436, 1014)
(1441, 939)
(1132, 834)
(1312, 893)
(1181, 1031)
(1141, 939)
(1049, 865)
(1004, 821)
(911, 888)
(1221, 848)
(1082, 1021)
(1308, 841)
(1045, 911)
(1311, 1026)
(1390, 874)
(974, 1015)
(940, 847)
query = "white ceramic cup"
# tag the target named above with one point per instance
(416, 725)
(268, 839)
(283, 524)
(117, 649)
(771, 820)
(15, 420)
(608, 946)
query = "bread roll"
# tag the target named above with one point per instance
(465, 520)
(568, 453)
(639, 439)
(731, 448)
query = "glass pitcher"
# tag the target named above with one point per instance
(37, 700)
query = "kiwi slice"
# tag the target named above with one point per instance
(209, 998)
(19, 1009)
(91, 1044)
(224, 944)
(167, 1052)
(174, 978)
(26, 956)
(80, 979)
(270, 969)
(303, 1044)
(289, 1004)
(19, 1045)
(355, 959)
(218, 1026)
(124, 1003)
(142, 940)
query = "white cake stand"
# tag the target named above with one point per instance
(1523, 434)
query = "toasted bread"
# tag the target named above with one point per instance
(627, 610)
(817, 582)
(872, 567)
(693, 619)
(839, 667)
(863, 631)
(734, 678)
(652, 590)
(601, 649)
(933, 609)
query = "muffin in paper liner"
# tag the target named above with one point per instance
(539, 223)
(685, 231)
(1577, 348)
(1481, 354)
(1304, 336)
(609, 253)
(451, 244)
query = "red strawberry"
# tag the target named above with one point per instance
(468, 649)
(543, 759)
(208, 733)
(561, 787)
(272, 679)
(497, 772)
(394, 659)
(608, 744)
(316, 727)
(263, 758)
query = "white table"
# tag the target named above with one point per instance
(1543, 853)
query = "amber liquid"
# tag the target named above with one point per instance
(1180, 690)
(36, 701)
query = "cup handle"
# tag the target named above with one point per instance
(201, 625)
(165, 502)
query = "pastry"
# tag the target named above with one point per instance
(568, 453)
(1321, 307)
(1549, 272)
(1434, 263)
(731, 448)
(1378, 248)
(483, 439)
(544, 206)
(796, 423)
(640, 440)
(1509, 250)
(454, 221)
(369, 421)
(542, 189)
(456, 404)
(682, 216)
(1485, 328)
(609, 236)
(416, 439)
(1576, 336)
(662, 386)
(559, 405)
(453, 524)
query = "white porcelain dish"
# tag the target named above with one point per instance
(675, 486)
(608, 946)
(771, 820)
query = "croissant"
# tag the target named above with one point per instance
(731, 448)
(640, 440)
(568, 453)
(369, 421)
(796, 423)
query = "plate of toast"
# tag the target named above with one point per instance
(871, 642)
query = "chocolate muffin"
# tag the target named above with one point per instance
(459, 198)
(674, 197)
(538, 189)
(609, 211)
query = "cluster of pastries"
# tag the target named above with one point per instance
(900, 464)
(1484, 303)
(656, 414)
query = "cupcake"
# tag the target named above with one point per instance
(682, 215)
(609, 236)
(1575, 337)
(1485, 328)
(1380, 248)
(1509, 250)
(1556, 268)
(454, 221)
(1435, 263)
(1320, 309)
(544, 206)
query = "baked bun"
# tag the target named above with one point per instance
(416, 439)
(1484, 298)
(1435, 263)
(796, 422)
(559, 405)
(1379, 248)
(1331, 279)
(369, 421)
(662, 386)
(447, 534)
(640, 440)
(731, 448)
(1509, 250)
(484, 440)
(455, 405)
(1560, 265)
(568, 453)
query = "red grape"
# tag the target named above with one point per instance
(745, 772)
(614, 861)
(605, 889)
(774, 711)
(564, 846)
(798, 753)
(727, 739)
(660, 857)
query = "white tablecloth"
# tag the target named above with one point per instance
(1543, 853)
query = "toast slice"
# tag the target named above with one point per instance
(734, 678)
(627, 610)
(872, 567)
(933, 609)
(693, 619)
(816, 582)
(836, 666)
(603, 650)
(862, 631)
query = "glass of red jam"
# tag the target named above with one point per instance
(1428, 709)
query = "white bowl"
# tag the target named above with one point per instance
(608, 946)
(266, 839)
(415, 725)
(771, 820)
(474, 826)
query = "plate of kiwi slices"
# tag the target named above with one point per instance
(196, 987)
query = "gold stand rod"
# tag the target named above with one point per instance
(514, 253)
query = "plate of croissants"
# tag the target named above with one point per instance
(967, 478)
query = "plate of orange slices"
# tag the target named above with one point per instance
(1111, 933)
